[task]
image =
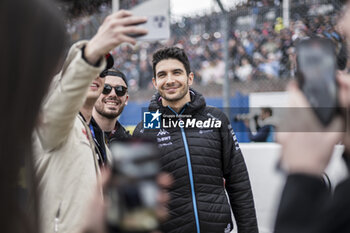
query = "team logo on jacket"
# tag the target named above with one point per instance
(162, 132)
(151, 120)
(228, 228)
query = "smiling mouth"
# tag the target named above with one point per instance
(171, 89)
(112, 103)
(95, 85)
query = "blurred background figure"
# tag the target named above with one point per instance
(279, 25)
(264, 126)
(244, 71)
(32, 45)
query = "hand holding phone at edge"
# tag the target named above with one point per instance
(113, 32)
(308, 151)
(344, 89)
(344, 100)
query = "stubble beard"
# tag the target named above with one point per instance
(180, 96)
(110, 115)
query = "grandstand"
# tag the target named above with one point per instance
(261, 49)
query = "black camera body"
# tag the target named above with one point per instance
(132, 193)
(243, 117)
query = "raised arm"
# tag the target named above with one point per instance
(69, 89)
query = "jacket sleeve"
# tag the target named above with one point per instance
(261, 135)
(138, 131)
(302, 205)
(66, 96)
(237, 181)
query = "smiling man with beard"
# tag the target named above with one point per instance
(110, 105)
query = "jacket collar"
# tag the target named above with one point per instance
(119, 129)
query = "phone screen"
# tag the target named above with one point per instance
(316, 73)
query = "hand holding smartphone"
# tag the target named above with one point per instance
(316, 76)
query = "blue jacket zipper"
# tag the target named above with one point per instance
(189, 166)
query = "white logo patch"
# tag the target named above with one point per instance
(228, 228)
(205, 131)
(165, 144)
(162, 132)
(163, 139)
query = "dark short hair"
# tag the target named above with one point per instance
(171, 53)
(114, 72)
(267, 109)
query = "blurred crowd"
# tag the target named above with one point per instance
(268, 52)
(262, 52)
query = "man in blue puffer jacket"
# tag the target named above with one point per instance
(199, 149)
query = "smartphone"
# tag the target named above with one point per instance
(158, 19)
(316, 76)
(133, 190)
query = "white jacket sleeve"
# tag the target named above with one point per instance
(66, 96)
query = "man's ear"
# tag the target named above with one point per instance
(190, 78)
(154, 81)
(126, 99)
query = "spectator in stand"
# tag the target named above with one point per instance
(145, 74)
(279, 25)
(271, 67)
(204, 46)
(244, 71)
